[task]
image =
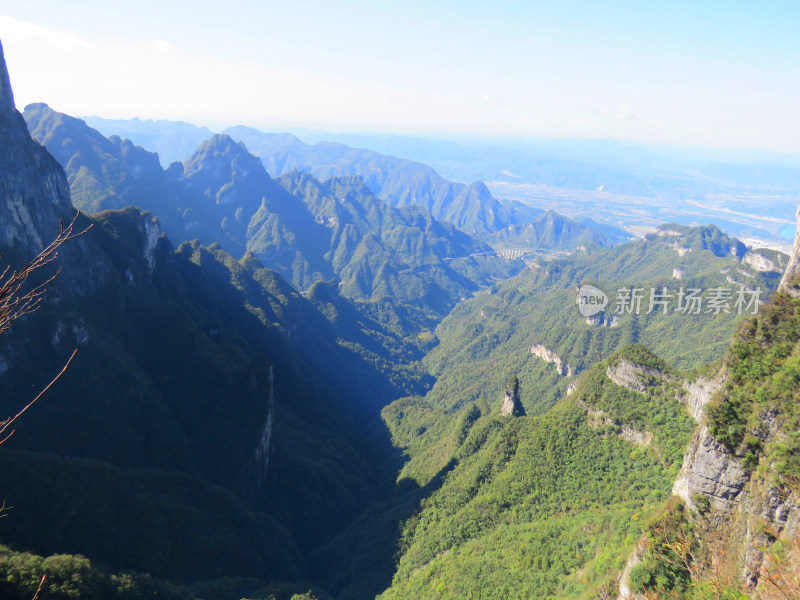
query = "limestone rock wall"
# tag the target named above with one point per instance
(793, 268)
(548, 355)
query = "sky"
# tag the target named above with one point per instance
(705, 72)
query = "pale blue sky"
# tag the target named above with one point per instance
(724, 74)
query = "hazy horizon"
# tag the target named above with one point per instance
(723, 77)
(311, 135)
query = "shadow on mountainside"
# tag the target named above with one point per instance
(360, 563)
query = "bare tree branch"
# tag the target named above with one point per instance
(39, 589)
(4, 425)
(16, 303)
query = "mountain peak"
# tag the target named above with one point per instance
(221, 148)
(6, 95)
(222, 140)
(479, 189)
(221, 144)
(34, 193)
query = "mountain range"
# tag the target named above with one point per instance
(398, 181)
(295, 386)
(615, 182)
(306, 228)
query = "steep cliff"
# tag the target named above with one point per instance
(788, 284)
(735, 526)
(35, 191)
(547, 355)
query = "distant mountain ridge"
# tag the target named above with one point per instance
(748, 194)
(306, 229)
(552, 231)
(173, 141)
(399, 181)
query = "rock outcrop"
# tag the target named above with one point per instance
(737, 513)
(512, 405)
(699, 393)
(152, 236)
(548, 355)
(632, 376)
(36, 193)
(793, 268)
(760, 262)
(602, 320)
(599, 418)
(625, 590)
(710, 470)
(6, 94)
(35, 200)
(681, 250)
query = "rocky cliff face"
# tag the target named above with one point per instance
(35, 200)
(710, 471)
(633, 376)
(548, 355)
(6, 94)
(763, 263)
(264, 447)
(512, 405)
(626, 592)
(699, 393)
(602, 320)
(738, 505)
(738, 514)
(35, 190)
(793, 268)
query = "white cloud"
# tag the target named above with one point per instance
(12, 30)
(161, 45)
(622, 113)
